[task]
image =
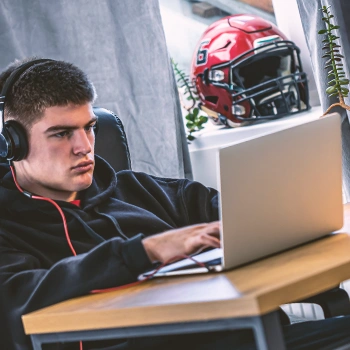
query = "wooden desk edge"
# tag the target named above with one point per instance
(163, 314)
(42, 321)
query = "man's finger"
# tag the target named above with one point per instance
(212, 241)
(213, 229)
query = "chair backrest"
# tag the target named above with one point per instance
(111, 143)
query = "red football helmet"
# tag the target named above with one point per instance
(246, 70)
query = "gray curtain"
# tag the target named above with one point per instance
(312, 22)
(120, 44)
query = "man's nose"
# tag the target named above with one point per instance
(82, 142)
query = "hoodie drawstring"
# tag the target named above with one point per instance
(114, 222)
(90, 231)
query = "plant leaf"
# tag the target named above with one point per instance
(330, 89)
(190, 117)
(190, 137)
(322, 31)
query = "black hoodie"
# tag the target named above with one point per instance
(37, 268)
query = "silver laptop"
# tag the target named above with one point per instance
(277, 191)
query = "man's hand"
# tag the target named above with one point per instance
(166, 246)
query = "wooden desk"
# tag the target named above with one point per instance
(245, 297)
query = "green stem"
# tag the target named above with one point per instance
(183, 78)
(333, 61)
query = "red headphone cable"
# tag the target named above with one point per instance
(28, 194)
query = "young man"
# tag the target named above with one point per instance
(117, 224)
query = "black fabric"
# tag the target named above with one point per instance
(37, 269)
(36, 265)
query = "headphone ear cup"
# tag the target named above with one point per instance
(18, 141)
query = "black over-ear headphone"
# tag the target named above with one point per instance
(13, 137)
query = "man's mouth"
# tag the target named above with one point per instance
(83, 167)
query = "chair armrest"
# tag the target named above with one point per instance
(334, 302)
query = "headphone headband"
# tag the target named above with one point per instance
(10, 138)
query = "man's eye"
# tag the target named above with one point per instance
(62, 134)
(90, 127)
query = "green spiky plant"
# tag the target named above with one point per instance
(338, 81)
(194, 121)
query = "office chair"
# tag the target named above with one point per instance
(111, 143)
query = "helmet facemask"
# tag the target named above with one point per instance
(271, 81)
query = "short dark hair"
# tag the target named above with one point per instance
(47, 84)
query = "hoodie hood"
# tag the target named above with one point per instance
(101, 189)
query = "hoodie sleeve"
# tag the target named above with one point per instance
(200, 202)
(25, 286)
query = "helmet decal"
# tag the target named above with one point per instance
(202, 53)
(266, 40)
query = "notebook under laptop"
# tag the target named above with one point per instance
(276, 191)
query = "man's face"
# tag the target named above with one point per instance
(60, 161)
